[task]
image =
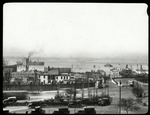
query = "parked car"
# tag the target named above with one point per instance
(80, 112)
(75, 104)
(33, 104)
(56, 112)
(89, 110)
(38, 110)
(4, 105)
(64, 111)
(9, 100)
(6, 112)
(104, 101)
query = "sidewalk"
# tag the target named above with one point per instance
(15, 108)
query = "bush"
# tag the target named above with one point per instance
(145, 104)
(139, 100)
(138, 91)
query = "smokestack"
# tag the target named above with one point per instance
(131, 67)
(141, 67)
(137, 66)
(30, 54)
(27, 64)
(126, 66)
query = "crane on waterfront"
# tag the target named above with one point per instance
(75, 68)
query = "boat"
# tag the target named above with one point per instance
(108, 65)
(36, 63)
(89, 60)
(31, 63)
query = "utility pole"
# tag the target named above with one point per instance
(88, 84)
(120, 84)
(83, 88)
(75, 90)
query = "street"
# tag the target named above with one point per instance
(111, 109)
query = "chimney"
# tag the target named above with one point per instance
(137, 66)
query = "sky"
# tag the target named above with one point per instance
(75, 29)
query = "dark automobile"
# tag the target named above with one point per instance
(10, 100)
(89, 110)
(56, 112)
(6, 111)
(75, 104)
(33, 104)
(80, 112)
(38, 110)
(105, 101)
(64, 110)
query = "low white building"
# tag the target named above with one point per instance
(114, 73)
(65, 78)
(44, 79)
(21, 68)
(141, 71)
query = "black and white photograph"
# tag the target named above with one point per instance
(75, 58)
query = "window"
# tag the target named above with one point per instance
(61, 77)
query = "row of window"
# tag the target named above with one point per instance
(21, 67)
(61, 77)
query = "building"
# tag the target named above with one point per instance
(11, 68)
(95, 76)
(27, 65)
(23, 77)
(114, 73)
(141, 70)
(43, 78)
(56, 75)
(63, 78)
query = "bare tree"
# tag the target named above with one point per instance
(128, 104)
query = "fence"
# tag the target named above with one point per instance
(45, 87)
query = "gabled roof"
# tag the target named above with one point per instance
(62, 70)
(53, 72)
(114, 70)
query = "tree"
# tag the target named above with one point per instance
(128, 104)
(7, 76)
(126, 73)
(137, 90)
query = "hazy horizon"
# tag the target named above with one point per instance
(81, 30)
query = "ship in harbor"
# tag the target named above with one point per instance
(31, 63)
(108, 65)
(36, 63)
